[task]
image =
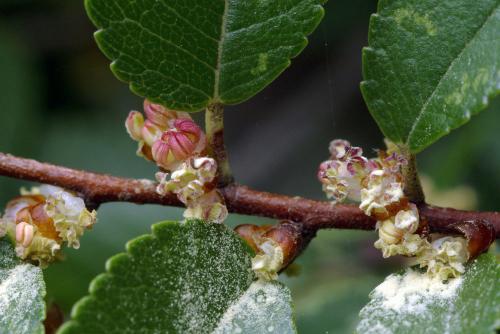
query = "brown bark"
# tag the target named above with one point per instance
(99, 188)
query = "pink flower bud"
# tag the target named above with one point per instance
(150, 133)
(193, 131)
(178, 144)
(172, 148)
(162, 152)
(134, 125)
(160, 115)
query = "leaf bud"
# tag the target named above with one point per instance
(252, 234)
(480, 234)
(276, 246)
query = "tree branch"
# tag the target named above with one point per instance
(97, 189)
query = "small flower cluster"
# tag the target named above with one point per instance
(178, 146)
(343, 173)
(378, 185)
(445, 257)
(270, 257)
(193, 183)
(165, 137)
(44, 218)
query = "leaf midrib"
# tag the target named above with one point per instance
(220, 47)
(466, 46)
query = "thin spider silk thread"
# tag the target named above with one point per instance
(328, 67)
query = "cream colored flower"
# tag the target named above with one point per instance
(210, 207)
(268, 263)
(192, 182)
(189, 180)
(382, 190)
(43, 218)
(41, 250)
(397, 234)
(407, 220)
(409, 245)
(71, 217)
(446, 258)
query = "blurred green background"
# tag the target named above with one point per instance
(60, 103)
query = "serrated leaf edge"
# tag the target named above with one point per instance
(216, 98)
(418, 148)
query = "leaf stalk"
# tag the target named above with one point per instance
(214, 127)
(413, 187)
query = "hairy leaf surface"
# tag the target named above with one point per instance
(191, 277)
(22, 292)
(191, 53)
(413, 303)
(430, 65)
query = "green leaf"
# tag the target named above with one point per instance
(430, 65)
(22, 292)
(191, 277)
(414, 303)
(192, 53)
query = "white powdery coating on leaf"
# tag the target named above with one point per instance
(401, 297)
(411, 292)
(19, 295)
(201, 293)
(264, 308)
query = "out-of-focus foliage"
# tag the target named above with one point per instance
(471, 156)
(80, 109)
(18, 100)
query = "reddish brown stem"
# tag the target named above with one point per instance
(315, 215)
(54, 319)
